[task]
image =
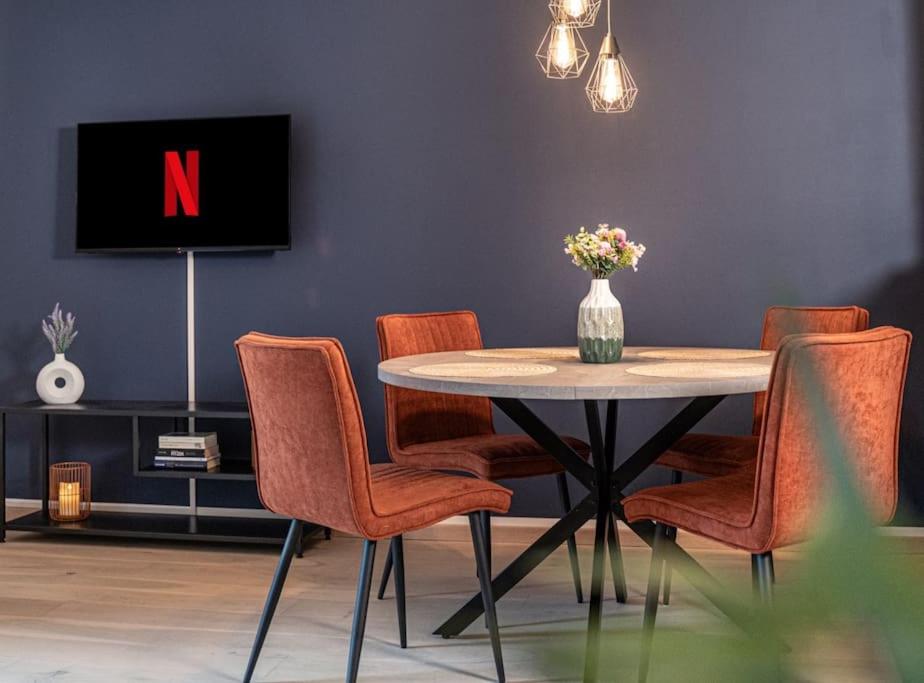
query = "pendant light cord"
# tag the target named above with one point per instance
(609, 18)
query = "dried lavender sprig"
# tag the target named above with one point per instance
(60, 330)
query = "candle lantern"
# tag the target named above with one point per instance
(69, 491)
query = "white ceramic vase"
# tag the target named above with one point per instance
(600, 326)
(60, 381)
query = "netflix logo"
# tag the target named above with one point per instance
(181, 183)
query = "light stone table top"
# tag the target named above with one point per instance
(644, 372)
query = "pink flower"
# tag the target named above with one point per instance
(618, 234)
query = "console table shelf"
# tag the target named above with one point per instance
(230, 469)
(168, 409)
(144, 525)
(168, 527)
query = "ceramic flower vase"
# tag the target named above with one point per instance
(60, 382)
(600, 326)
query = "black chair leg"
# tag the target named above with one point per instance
(486, 525)
(565, 497)
(676, 478)
(762, 577)
(651, 599)
(397, 556)
(386, 573)
(485, 517)
(487, 594)
(619, 575)
(360, 608)
(668, 573)
(272, 599)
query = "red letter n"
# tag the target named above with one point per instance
(178, 183)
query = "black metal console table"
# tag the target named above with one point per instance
(143, 525)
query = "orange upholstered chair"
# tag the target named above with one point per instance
(717, 454)
(456, 433)
(775, 501)
(311, 463)
(713, 455)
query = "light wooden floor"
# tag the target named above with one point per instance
(94, 611)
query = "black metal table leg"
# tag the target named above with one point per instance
(546, 437)
(517, 570)
(612, 540)
(605, 486)
(616, 566)
(667, 436)
(595, 616)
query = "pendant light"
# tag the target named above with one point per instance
(562, 52)
(611, 88)
(578, 13)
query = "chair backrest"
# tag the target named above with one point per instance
(858, 379)
(782, 321)
(411, 416)
(309, 442)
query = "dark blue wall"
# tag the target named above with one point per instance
(773, 157)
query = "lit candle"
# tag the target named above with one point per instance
(69, 499)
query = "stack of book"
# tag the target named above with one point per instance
(188, 451)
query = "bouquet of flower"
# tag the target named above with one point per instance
(603, 251)
(59, 329)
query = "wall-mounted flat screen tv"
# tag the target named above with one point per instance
(180, 185)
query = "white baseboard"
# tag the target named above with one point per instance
(503, 529)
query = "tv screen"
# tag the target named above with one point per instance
(181, 185)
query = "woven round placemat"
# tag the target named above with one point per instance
(548, 353)
(704, 354)
(699, 370)
(483, 370)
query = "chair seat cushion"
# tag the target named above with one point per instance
(720, 508)
(405, 499)
(710, 455)
(488, 456)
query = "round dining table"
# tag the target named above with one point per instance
(510, 377)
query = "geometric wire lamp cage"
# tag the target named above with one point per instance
(578, 13)
(562, 52)
(611, 88)
(69, 491)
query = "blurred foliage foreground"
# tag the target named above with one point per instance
(850, 609)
